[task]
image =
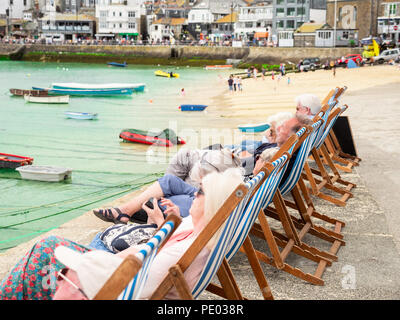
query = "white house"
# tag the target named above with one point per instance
(254, 20)
(15, 7)
(119, 18)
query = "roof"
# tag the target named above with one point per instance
(70, 17)
(228, 18)
(309, 27)
(171, 21)
(3, 22)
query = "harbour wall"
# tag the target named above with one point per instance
(167, 55)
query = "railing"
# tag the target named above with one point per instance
(254, 17)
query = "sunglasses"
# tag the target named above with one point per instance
(61, 276)
(200, 192)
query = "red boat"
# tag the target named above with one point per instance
(13, 161)
(165, 138)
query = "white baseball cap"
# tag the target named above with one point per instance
(93, 268)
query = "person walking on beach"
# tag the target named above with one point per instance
(230, 83)
(234, 83)
(334, 69)
(263, 70)
(239, 83)
(255, 73)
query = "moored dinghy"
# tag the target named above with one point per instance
(254, 127)
(192, 107)
(45, 173)
(80, 115)
(48, 99)
(116, 64)
(12, 161)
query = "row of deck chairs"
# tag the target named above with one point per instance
(271, 196)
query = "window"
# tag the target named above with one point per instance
(131, 25)
(290, 12)
(120, 14)
(248, 24)
(131, 14)
(280, 1)
(103, 13)
(155, 28)
(290, 24)
(291, 1)
(280, 24)
(120, 25)
(280, 12)
(299, 24)
(301, 11)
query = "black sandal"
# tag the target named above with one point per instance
(106, 215)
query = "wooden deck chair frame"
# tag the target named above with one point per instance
(175, 277)
(290, 240)
(325, 180)
(132, 264)
(307, 214)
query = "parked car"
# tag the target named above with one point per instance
(309, 64)
(387, 55)
(357, 58)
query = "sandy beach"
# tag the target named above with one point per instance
(368, 246)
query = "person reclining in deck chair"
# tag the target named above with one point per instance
(189, 165)
(36, 275)
(308, 104)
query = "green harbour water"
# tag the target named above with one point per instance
(104, 167)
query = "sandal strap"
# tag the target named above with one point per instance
(121, 215)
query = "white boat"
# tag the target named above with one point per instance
(44, 173)
(80, 115)
(105, 86)
(49, 99)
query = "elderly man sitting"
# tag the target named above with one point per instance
(308, 104)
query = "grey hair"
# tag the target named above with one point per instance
(214, 161)
(279, 118)
(310, 101)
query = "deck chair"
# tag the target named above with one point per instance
(227, 217)
(127, 281)
(307, 210)
(321, 154)
(290, 240)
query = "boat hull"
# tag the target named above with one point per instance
(45, 173)
(12, 161)
(160, 73)
(91, 92)
(139, 138)
(116, 64)
(254, 128)
(48, 100)
(81, 115)
(34, 93)
(106, 86)
(192, 107)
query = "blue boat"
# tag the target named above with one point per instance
(260, 127)
(87, 92)
(104, 86)
(192, 107)
(116, 64)
(80, 115)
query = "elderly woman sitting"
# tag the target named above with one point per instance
(34, 277)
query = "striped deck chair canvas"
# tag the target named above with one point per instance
(305, 223)
(327, 181)
(290, 239)
(133, 272)
(226, 217)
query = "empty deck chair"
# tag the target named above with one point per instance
(333, 183)
(227, 216)
(126, 283)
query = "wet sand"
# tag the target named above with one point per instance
(259, 99)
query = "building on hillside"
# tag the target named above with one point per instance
(15, 8)
(119, 18)
(255, 21)
(354, 14)
(324, 37)
(60, 27)
(222, 29)
(389, 20)
(290, 14)
(169, 29)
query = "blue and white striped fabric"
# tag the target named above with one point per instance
(328, 128)
(219, 250)
(302, 155)
(320, 137)
(146, 256)
(260, 200)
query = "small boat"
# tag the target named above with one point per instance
(260, 127)
(45, 173)
(219, 67)
(161, 73)
(13, 161)
(91, 92)
(34, 93)
(49, 99)
(80, 115)
(192, 107)
(116, 64)
(165, 138)
(106, 86)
